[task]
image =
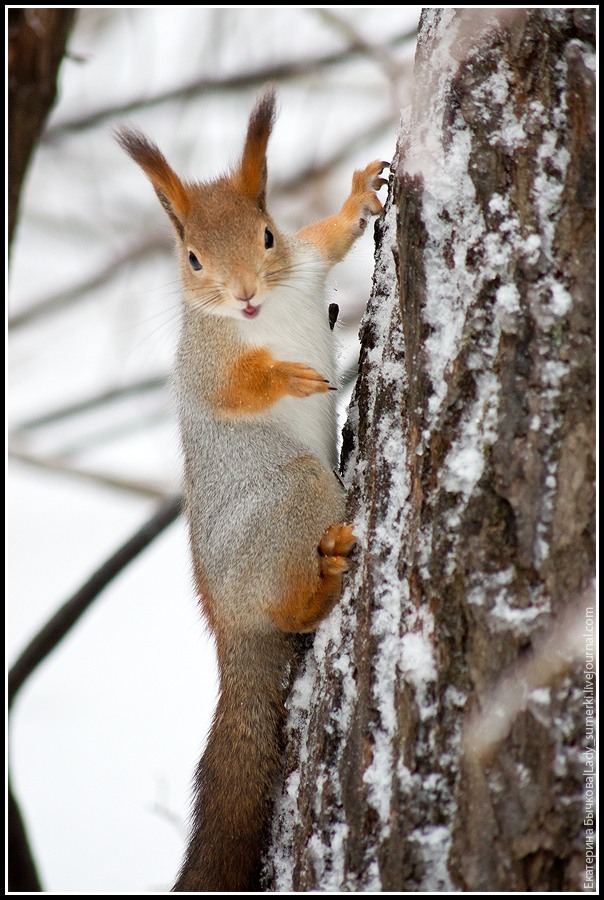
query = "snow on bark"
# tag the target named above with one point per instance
(469, 461)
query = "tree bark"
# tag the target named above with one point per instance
(440, 730)
(36, 45)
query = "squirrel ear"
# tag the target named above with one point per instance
(250, 178)
(168, 186)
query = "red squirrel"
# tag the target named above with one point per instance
(254, 379)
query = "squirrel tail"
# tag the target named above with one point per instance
(236, 777)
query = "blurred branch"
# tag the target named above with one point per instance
(63, 298)
(552, 657)
(170, 816)
(65, 618)
(22, 871)
(392, 69)
(381, 55)
(36, 44)
(237, 81)
(108, 396)
(65, 467)
(110, 433)
(316, 171)
(22, 874)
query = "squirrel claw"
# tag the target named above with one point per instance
(333, 565)
(303, 380)
(334, 547)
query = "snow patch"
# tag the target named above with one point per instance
(561, 300)
(541, 695)
(435, 844)
(465, 461)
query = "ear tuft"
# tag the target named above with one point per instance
(250, 178)
(168, 186)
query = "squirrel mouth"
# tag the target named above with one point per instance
(250, 311)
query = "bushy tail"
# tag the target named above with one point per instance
(242, 760)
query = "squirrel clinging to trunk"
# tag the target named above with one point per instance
(255, 376)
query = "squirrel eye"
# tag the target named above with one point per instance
(194, 262)
(269, 240)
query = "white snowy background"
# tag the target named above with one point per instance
(106, 734)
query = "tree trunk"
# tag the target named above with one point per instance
(36, 45)
(439, 731)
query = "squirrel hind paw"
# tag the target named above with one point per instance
(338, 540)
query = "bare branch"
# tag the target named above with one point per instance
(64, 298)
(381, 55)
(65, 618)
(110, 433)
(556, 654)
(23, 874)
(200, 86)
(164, 812)
(319, 170)
(80, 406)
(65, 467)
(392, 69)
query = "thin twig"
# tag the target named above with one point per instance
(237, 81)
(392, 69)
(380, 54)
(111, 433)
(160, 809)
(104, 397)
(65, 618)
(66, 297)
(319, 170)
(67, 467)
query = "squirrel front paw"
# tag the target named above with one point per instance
(363, 195)
(302, 380)
(334, 547)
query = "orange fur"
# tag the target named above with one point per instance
(334, 236)
(307, 604)
(203, 594)
(257, 380)
(169, 188)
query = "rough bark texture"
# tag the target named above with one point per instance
(36, 45)
(439, 733)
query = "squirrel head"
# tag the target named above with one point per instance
(231, 253)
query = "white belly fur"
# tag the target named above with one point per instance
(293, 324)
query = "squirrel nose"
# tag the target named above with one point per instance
(244, 290)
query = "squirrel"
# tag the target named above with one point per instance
(254, 380)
